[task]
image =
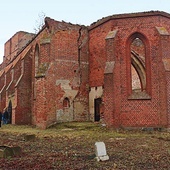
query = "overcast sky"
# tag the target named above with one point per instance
(20, 15)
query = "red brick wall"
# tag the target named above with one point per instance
(24, 91)
(164, 45)
(126, 112)
(97, 54)
(2, 79)
(72, 59)
(65, 63)
(16, 71)
(15, 44)
(3, 92)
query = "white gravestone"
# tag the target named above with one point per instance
(100, 151)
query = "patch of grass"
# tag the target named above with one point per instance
(72, 130)
(71, 146)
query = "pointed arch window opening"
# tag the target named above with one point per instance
(138, 66)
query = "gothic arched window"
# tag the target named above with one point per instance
(138, 65)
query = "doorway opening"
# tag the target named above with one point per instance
(97, 103)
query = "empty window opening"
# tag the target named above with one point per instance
(138, 72)
(36, 58)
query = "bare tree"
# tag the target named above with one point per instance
(39, 23)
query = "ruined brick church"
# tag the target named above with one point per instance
(115, 71)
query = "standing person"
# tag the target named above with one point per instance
(2, 122)
(5, 116)
(0, 118)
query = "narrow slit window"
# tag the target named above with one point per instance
(36, 59)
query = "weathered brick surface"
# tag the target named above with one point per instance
(72, 59)
(63, 76)
(126, 112)
(15, 44)
(23, 93)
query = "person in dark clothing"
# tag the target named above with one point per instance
(5, 116)
(0, 118)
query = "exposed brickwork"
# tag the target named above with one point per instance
(126, 112)
(15, 44)
(63, 62)
(24, 94)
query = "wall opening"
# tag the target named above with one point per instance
(66, 103)
(36, 59)
(138, 66)
(97, 103)
(138, 73)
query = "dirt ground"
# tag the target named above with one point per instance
(70, 146)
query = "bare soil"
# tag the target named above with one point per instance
(70, 146)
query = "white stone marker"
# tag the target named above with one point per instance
(100, 151)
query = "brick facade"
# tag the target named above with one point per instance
(70, 72)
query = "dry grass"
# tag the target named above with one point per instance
(71, 146)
